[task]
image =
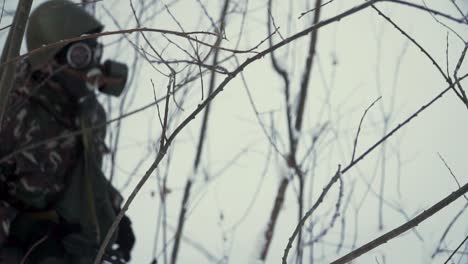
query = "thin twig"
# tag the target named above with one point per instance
(202, 139)
(405, 122)
(353, 163)
(451, 172)
(439, 68)
(403, 228)
(456, 250)
(465, 17)
(443, 24)
(315, 8)
(335, 216)
(309, 213)
(432, 11)
(447, 229)
(360, 125)
(257, 115)
(63, 42)
(157, 105)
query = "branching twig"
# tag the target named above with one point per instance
(456, 250)
(360, 124)
(403, 228)
(432, 11)
(309, 213)
(447, 229)
(209, 98)
(63, 42)
(202, 138)
(335, 216)
(451, 172)
(439, 68)
(315, 8)
(353, 163)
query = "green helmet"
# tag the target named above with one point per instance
(53, 21)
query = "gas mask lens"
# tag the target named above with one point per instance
(81, 55)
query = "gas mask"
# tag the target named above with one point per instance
(84, 69)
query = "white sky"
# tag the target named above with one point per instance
(367, 50)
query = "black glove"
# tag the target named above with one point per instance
(125, 238)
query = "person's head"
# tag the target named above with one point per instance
(58, 21)
(55, 21)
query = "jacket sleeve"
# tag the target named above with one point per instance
(41, 160)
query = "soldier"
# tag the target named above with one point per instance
(56, 205)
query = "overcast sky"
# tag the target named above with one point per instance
(359, 59)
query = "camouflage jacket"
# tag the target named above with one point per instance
(39, 151)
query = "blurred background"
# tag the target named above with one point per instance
(251, 170)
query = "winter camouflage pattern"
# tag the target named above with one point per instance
(38, 153)
(32, 177)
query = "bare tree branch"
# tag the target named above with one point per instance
(203, 132)
(403, 228)
(10, 51)
(218, 90)
(353, 163)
